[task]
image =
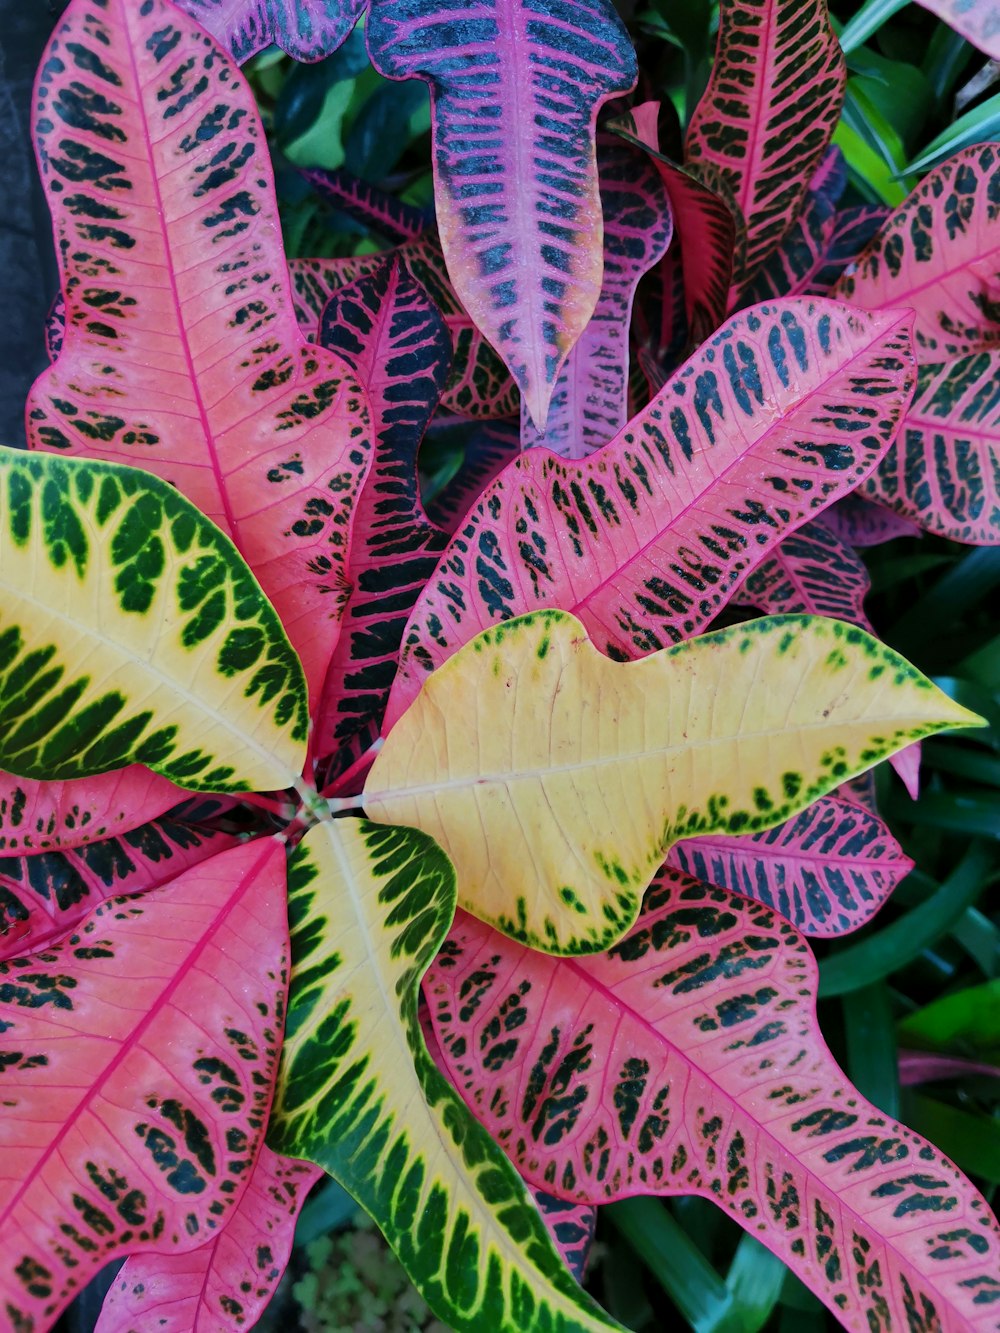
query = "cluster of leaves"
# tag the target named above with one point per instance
(561, 959)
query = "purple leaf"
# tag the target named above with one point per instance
(853, 228)
(306, 29)
(978, 21)
(374, 208)
(860, 522)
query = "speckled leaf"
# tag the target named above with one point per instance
(688, 1061)
(181, 353)
(766, 118)
(157, 645)
(589, 404)
(489, 447)
(828, 870)
(44, 896)
(853, 228)
(557, 780)
(359, 1094)
(138, 1063)
(515, 89)
(306, 29)
(977, 20)
(225, 1284)
(859, 522)
(786, 408)
(55, 327)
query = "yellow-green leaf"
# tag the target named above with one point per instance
(556, 779)
(131, 631)
(359, 1095)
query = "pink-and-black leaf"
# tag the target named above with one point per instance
(306, 29)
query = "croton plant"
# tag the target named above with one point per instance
(467, 852)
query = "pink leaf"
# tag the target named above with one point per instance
(853, 228)
(227, 1283)
(907, 765)
(687, 1060)
(314, 281)
(645, 540)
(139, 1061)
(306, 29)
(181, 352)
(828, 870)
(515, 91)
(589, 400)
(794, 264)
(924, 1067)
(811, 573)
(977, 20)
(859, 522)
(373, 208)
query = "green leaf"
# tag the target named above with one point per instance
(977, 125)
(755, 1279)
(867, 21)
(870, 174)
(871, 1045)
(967, 1022)
(972, 1141)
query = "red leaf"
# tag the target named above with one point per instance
(44, 816)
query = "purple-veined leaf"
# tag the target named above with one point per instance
(704, 227)
(589, 402)
(139, 1057)
(829, 180)
(44, 896)
(515, 89)
(828, 870)
(977, 20)
(37, 816)
(792, 266)
(314, 281)
(859, 791)
(853, 228)
(766, 118)
(488, 448)
(860, 522)
(659, 330)
(305, 29)
(181, 352)
(925, 1067)
(784, 410)
(227, 1283)
(388, 330)
(366, 203)
(687, 1060)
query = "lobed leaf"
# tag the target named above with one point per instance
(359, 1094)
(305, 29)
(157, 645)
(138, 1061)
(557, 780)
(181, 351)
(687, 1060)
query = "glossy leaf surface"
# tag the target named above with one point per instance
(515, 89)
(852, 229)
(306, 29)
(157, 645)
(40, 815)
(138, 1063)
(556, 780)
(784, 410)
(687, 1060)
(359, 1094)
(181, 353)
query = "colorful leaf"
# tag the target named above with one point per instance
(853, 228)
(366, 203)
(589, 404)
(977, 20)
(688, 1060)
(860, 522)
(828, 870)
(138, 1063)
(766, 118)
(306, 29)
(785, 410)
(515, 83)
(811, 572)
(557, 780)
(794, 264)
(156, 647)
(359, 1094)
(181, 352)
(314, 281)
(227, 1283)
(488, 448)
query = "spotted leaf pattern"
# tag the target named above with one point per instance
(687, 1060)
(515, 89)
(359, 1094)
(766, 118)
(306, 29)
(557, 780)
(181, 352)
(852, 229)
(589, 402)
(226, 1283)
(133, 1111)
(977, 20)
(157, 645)
(794, 265)
(828, 870)
(784, 410)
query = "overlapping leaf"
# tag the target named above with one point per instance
(557, 780)
(515, 88)
(138, 1062)
(181, 353)
(860, 522)
(156, 645)
(488, 447)
(977, 20)
(366, 203)
(811, 572)
(306, 29)
(784, 410)
(45, 815)
(359, 1094)
(853, 228)
(687, 1060)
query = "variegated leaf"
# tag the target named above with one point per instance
(688, 1061)
(359, 1094)
(44, 896)
(396, 221)
(487, 449)
(138, 1060)
(793, 265)
(225, 1284)
(589, 402)
(306, 29)
(157, 646)
(853, 228)
(766, 118)
(314, 281)
(182, 354)
(515, 89)
(557, 780)
(859, 522)
(977, 20)
(811, 572)
(788, 407)
(828, 870)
